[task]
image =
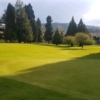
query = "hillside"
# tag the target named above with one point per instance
(64, 26)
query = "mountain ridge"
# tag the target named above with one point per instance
(64, 27)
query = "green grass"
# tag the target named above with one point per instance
(48, 72)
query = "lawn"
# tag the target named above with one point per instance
(49, 72)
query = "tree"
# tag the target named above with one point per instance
(10, 33)
(82, 27)
(72, 28)
(3, 18)
(49, 30)
(82, 38)
(31, 17)
(69, 40)
(24, 29)
(96, 38)
(39, 37)
(57, 38)
(18, 8)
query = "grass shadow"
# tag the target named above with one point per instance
(77, 78)
(92, 56)
(63, 47)
(15, 90)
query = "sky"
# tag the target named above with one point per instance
(62, 11)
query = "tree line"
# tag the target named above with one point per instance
(21, 26)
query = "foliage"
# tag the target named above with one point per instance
(21, 25)
(31, 16)
(10, 33)
(39, 36)
(90, 41)
(96, 39)
(72, 28)
(82, 38)
(69, 40)
(49, 30)
(24, 29)
(18, 8)
(82, 27)
(57, 38)
(64, 26)
(3, 18)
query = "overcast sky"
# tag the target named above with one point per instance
(62, 10)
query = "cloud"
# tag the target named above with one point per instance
(93, 13)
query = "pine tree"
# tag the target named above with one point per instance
(10, 33)
(82, 27)
(57, 38)
(39, 31)
(72, 28)
(31, 17)
(49, 30)
(24, 29)
(27, 35)
(3, 18)
(18, 8)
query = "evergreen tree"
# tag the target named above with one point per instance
(10, 33)
(49, 30)
(82, 27)
(72, 28)
(31, 17)
(3, 18)
(18, 8)
(2, 29)
(39, 31)
(24, 29)
(57, 38)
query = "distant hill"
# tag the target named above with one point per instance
(93, 29)
(64, 26)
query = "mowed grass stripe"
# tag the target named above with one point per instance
(15, 90)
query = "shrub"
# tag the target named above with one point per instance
(83, 39)
(70, 40)
(57, 38)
